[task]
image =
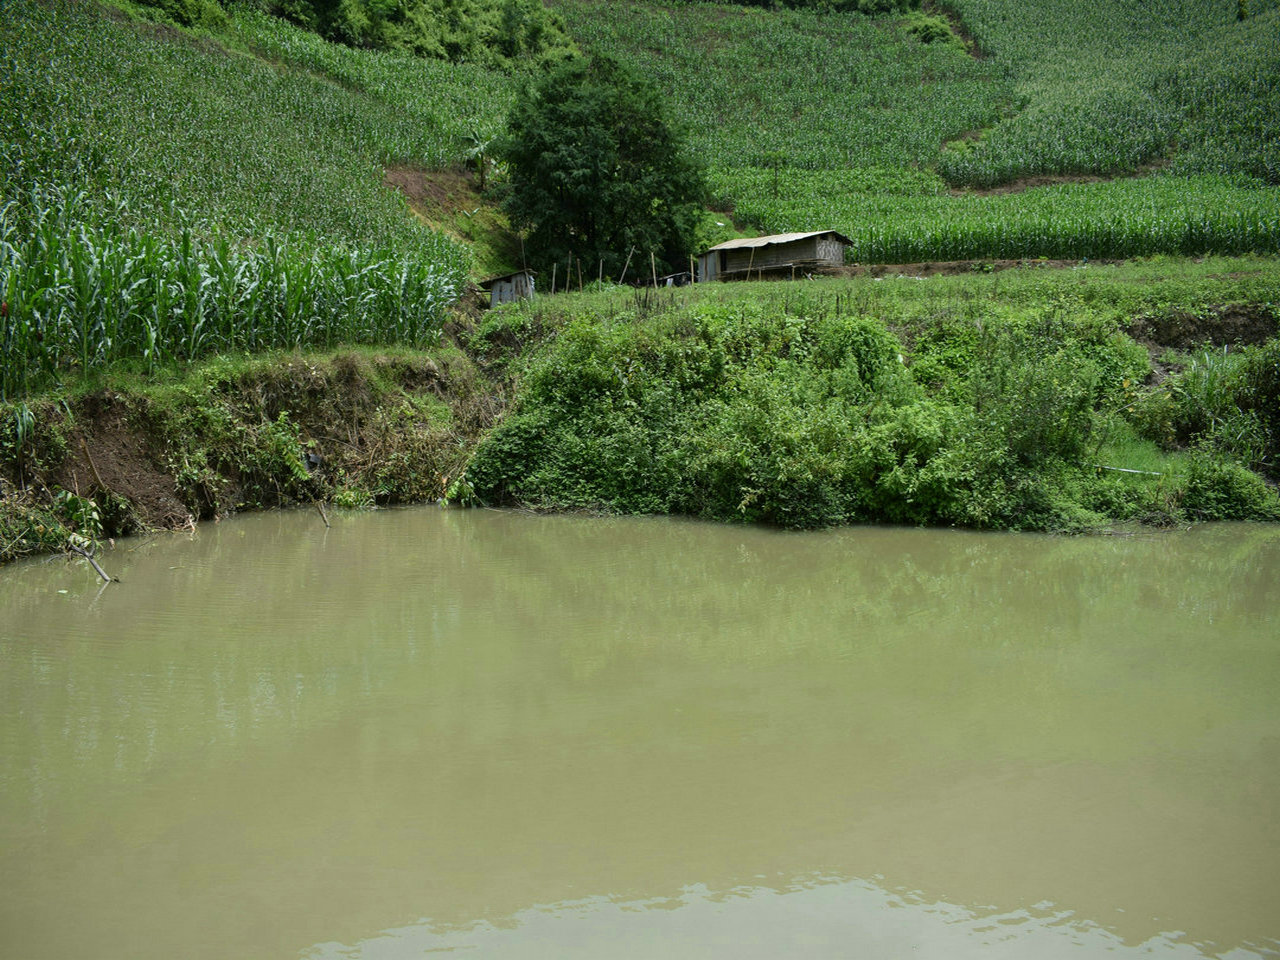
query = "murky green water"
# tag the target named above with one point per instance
(509, 736)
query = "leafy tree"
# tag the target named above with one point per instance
(597, 171)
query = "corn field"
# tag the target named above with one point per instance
(1111, 86)
(295, 142)
(80, 292)
(110, 136)
(826, 91)
(857, 126)
(1124, 218)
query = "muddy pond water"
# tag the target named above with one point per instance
(494, 735)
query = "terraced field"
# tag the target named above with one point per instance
(815, 121)
(165, 193)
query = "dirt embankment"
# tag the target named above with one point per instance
(351, 428)
(935, 268)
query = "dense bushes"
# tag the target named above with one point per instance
(796, 416)
(1226, 402)
(497, 33)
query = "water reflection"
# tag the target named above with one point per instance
(275, 736)
(821, 919)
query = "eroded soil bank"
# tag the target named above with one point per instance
(353, 428)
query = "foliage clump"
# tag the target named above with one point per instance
(929, 28)
(497, 33)
(802, 418)
(859, 402)
(1224, 402)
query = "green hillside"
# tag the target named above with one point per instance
(1107, 87)
(167, 194)
(873, 130)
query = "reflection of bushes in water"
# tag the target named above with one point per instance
(739, 594)
(658, 591)
(735, 411)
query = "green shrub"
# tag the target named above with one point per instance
(932, 29)
(787, 415)
(1218, 489)
(1227, 400)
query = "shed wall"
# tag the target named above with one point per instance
(830, 251)
(519, 287)
(774, 255)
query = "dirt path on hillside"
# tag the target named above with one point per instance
(933, 268)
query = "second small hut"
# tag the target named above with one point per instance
(778, 255)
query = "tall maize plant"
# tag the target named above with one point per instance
(81, 291)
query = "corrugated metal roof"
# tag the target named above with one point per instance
(486, 284)
(769, 241)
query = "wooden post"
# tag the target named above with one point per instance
(600, 274)
(627, 264)
(654, 268)
(554, 268)
(579, 274)
(751, 263)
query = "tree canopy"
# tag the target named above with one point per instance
(597, 171)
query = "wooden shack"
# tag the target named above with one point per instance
(782, 254)
(509, 287)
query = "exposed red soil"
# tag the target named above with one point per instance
(431, 192)
(106, 452)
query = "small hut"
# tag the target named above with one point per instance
(780, 254)
(509, 287)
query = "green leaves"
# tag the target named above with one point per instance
(596, 172)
